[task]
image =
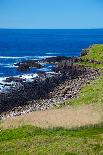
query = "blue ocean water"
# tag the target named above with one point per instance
(18, 45)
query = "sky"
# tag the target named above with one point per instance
(51, 14)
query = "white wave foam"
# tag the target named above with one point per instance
(2, 80)
(28, 77)
(10, 66)
(50, 53)
(11, 57)
(4, 57)
(25, 57)
(44, 69)
(44, 57)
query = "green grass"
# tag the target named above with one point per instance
(58, 141)
(95, 53)
(93, 92)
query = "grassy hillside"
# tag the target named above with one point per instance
(95, 52)
(29, 140)
(93, 92)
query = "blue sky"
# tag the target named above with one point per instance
(51, 14)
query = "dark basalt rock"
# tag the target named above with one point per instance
(41, 87)
(55, 59)
(89, 61)
(26, 65)
(23, 68)
(41, 74)
(66, 67)
(32, 63)
(13, 79)
(84, 52)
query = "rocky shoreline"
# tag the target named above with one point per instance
(47, 89)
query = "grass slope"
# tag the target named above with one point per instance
(58, 141)
(95, 52)
(93, 92)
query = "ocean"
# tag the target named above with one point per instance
(18, 45)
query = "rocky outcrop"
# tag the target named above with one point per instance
(26, 65)
(14, 79)
(55, 59)
(44, 86)
(84, 52)
(47, 89)
(46, 93)
(88, 61)
(73, 70)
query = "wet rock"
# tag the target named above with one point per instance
(84, 52)
(57, 86)
(42, 74)
(26, 65)
(48, 89)
(13, 79)
(70, 69)
(55, 59)
(23, 68)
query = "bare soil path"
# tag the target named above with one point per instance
(68, 117)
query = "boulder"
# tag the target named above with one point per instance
(84, 52)
(55, 59)
(26, 65)
(13, 79)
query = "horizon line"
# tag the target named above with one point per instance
(49, 28)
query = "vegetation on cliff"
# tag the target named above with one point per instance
(93, 53)
(92, 93)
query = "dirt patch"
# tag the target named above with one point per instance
(65, 117)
